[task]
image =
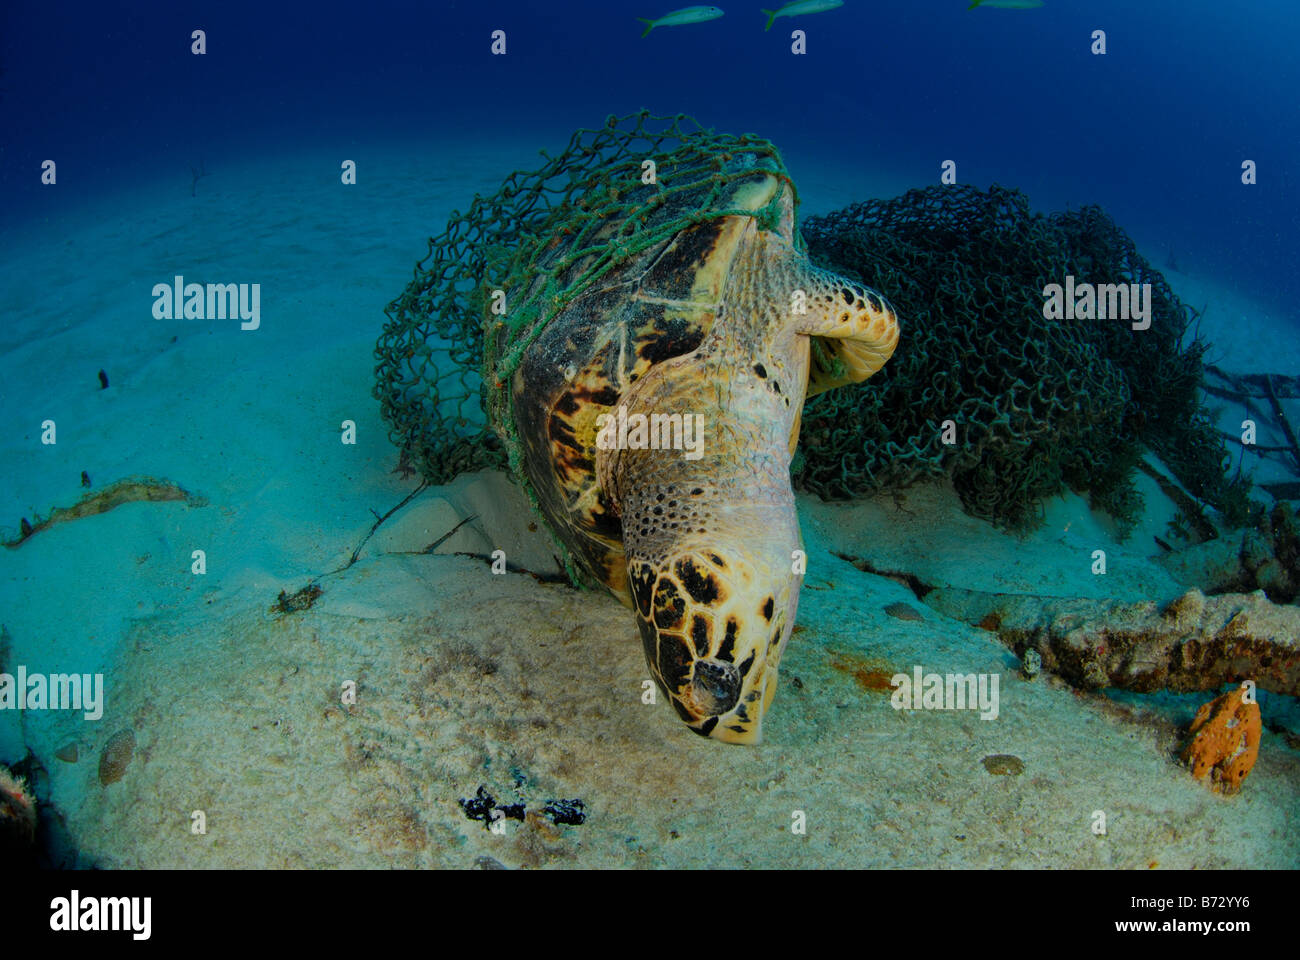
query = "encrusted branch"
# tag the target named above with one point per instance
(1194, 643)
(129, 490)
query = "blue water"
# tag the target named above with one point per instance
(1155, 130)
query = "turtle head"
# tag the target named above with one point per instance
(715, 612)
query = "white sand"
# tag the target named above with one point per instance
(249, 420)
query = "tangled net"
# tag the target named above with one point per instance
(445, 358)
(1038, 404)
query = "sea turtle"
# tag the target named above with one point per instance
(709, 328)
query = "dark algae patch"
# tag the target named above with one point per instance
(479, 807)
(566, 812)
(292, 603)
(485, 808)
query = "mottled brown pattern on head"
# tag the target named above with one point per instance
(701, 584)
(641, 581)
(701, 633)
(674, 661)
(727, 650)
(669, 605)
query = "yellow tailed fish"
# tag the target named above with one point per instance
(798, 8)
(681, 17)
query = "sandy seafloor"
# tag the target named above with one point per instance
(529, 690)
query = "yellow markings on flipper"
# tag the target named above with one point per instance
(853, 362)
(854, 328)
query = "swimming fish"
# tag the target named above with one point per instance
(797, 8)
(1007, 4)
(681, 17)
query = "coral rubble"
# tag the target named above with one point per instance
(1263, 557)
(1194, 643)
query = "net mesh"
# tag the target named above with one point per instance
(1038, 404)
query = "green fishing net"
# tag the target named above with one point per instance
(1038, 405)
(446, 356)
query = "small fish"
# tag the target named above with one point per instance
(797, 8)
(681, 17)
(1007, 4)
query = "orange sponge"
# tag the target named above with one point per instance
(1224, 741)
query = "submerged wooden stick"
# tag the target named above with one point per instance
(1204, 528)
(1281, 418)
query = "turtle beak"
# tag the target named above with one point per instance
(743, 724)
(732, 731)
(717, 698)
(751, 736)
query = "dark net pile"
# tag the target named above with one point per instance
(1039, 405)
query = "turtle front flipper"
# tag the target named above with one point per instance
(854, 328)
